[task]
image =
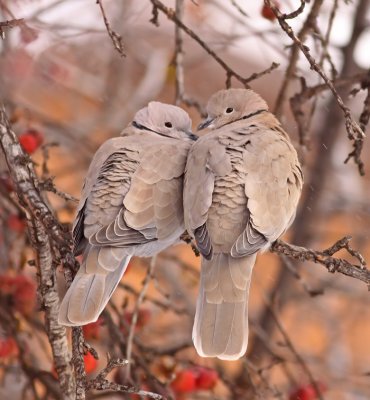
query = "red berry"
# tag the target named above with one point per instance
(206, 378)
(16, 224)
(267, 12)
(28, 143)
(31, 140)
(92, 331)
(8, 348)
(307, 392)
(90, 363)
(185, 381)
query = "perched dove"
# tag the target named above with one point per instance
(241, 189)
(131, 205)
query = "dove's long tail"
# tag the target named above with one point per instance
(100, 272)
(221, 319)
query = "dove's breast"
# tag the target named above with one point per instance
(228, 214)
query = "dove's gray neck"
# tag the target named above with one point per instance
(144, 128)
(248, 116)
(253, 114)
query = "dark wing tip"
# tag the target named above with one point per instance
(203, 242)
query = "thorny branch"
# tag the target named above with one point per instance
(230, 73)
(325, 258)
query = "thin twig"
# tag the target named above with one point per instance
(101, 383)
(181, 96)
(297, 12)
(294, 271)
(307, 93)
(354, 131)
(364, 120)
(135, 314)
(9, 24)
(170, 13)
(115, 37)
(156, 302)
(294, 53)
(179, 54)
(49, 186)
(298, 357)
(236, 5)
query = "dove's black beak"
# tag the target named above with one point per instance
(205, 124)
(191, 135)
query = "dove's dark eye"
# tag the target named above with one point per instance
(168, 124)
(229, 110)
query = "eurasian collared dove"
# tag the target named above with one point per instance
(131, 204)
(242, 185)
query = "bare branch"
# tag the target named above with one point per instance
(101, 383)
(78, 347)
(294, 53)
(44, 228)
(49, 186)
(9, 24)
(325, 258)
(354, 131)
(307, 93)
(181, 96)
(170, 13)
(115, 37)
(292, 348)
(297, 12)
(236, 5)
(364, 120)
(135, 314)
(294, 271)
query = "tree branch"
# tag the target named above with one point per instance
(44, 229)
(115, 37)
(230, 73)
(9, 24)
(325, 258)
(354, 131)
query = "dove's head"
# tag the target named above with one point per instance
(164, 120)
(230, 105)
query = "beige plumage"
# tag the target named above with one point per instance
(242, 185)
(131, 204)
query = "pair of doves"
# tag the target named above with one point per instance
(235, 190)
